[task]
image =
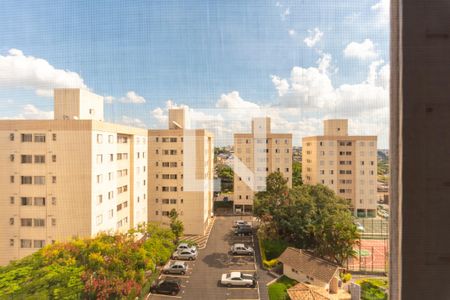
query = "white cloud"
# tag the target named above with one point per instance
(20, 71)
(134, 122)
(109, 99)
(233, 100)
(311, 89)
(292, 32)
(285, 13)
(364, 50)
(132, 97)
(31, 112)
(382, 10)
(315, 35)
(281, 85)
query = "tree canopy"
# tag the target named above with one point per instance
(296, 173)
(226, 174)
(104, 267)
(310, 217)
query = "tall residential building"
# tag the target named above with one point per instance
(180, 173)
(347, 164)
(257, 154)
(71, 176)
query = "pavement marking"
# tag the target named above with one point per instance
(175, 275)
(242, 288)
(243, 271)
(161, 295)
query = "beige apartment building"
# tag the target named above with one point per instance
(180, 173)
(75, 175)
(257, 154)
(347, 164)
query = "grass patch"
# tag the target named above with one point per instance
(277, 290)
(373, 289)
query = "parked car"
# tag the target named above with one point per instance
(177, 267)
(359, 227)
(243, 230)
(241, 249)
(183, 246)
(188, 254)
(168, 285)
(241, 223)
(238, 279)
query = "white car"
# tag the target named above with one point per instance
(238, 279)
(241, 249)
(183, 246)
(239, 223)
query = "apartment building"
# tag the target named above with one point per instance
(75, 175)
(347, 164)
(257, 154)
(180, 173)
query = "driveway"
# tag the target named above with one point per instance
(203, 280)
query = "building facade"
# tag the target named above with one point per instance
(257, 154)
(181, 173)
(72, 176)
(346, 164)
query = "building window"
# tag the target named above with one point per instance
(53, 200)
(165, 213)
(11, 137)
(11, 179)
(53, 222)
(11, 200)
(25, 201)
(26, 180)
(26, 137)
(11, 157)
(38, 243)
(39, 159)
(99, 158)
(26, 159)
(39, 201)
(25, 243)
(39, 180)
(110, 213)
(11, 242)
(11, 221)
(39, 222)
(54, 137)
(99, 178)
(28, 222)
(99, 138)
(99, 199)
(39, 138)
(110, 139)
(53, 158)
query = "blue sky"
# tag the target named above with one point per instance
(195, 52)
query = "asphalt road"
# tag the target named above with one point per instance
(203, 279)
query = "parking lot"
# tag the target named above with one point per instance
(203, 278)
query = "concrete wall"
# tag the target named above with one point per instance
(420, 147)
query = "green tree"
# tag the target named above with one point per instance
(226, 175)
(176, 225)
(309, 217)
(104, 267)
(276, 193)
(296, 174)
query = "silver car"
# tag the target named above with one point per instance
(241, 249)
(177, 267)
(185, 254)
(183, 246)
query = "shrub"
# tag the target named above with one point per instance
(346, 277)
